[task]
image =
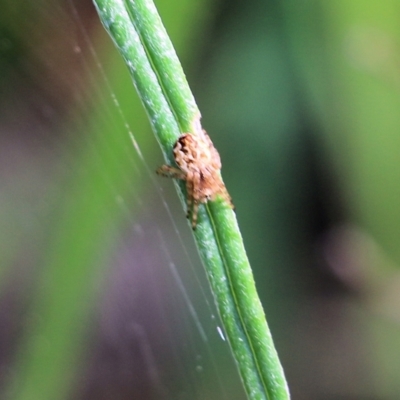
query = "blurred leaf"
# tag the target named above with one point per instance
(86, 225)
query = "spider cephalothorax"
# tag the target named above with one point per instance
(199, 165)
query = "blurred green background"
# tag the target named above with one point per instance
(102, 295)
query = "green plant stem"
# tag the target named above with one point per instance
(139, 35)
(166, 65)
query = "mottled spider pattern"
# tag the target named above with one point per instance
(199, 166)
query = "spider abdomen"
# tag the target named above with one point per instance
(200, 166)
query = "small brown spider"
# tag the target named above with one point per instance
(199, 165)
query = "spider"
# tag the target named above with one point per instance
(199, 165)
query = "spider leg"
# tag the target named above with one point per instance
(195, 213)
(223, 193)
(189, 197)
(227, 198)
(196, 196)
(170, 172)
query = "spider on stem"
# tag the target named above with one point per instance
(199, 166)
